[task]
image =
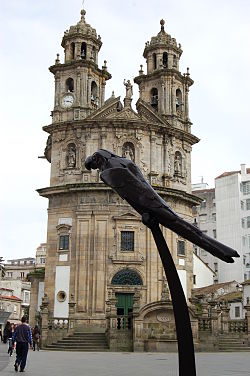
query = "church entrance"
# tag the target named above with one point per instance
(124, 308)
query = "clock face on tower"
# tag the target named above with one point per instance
(67, 100)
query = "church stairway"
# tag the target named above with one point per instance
(232, 343)
(80, 341)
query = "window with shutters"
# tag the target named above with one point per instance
(181, 247)
(64, 242)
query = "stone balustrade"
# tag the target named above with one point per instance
(238, 326)
(205, 324)
(121, 322)
(58, 323)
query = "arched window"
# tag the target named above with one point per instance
(94, 54)
(72, 48)
(154, 98)
(126, 277)
(83, 50)
(128, 151)
(154, 61)
(165, 59)
(93, 92)
(178, 99)
(174, 61)
(69, 84)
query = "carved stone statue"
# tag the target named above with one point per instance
(71, 156)
(128, 152)
(178, 164)
(129, 88)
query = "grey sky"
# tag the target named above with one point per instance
(214, 35)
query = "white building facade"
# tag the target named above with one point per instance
(232, 195)
(224, 214)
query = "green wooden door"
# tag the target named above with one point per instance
(124, 307)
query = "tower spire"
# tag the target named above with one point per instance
(83, 12)
(162, 22)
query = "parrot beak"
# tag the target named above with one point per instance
(90, 164)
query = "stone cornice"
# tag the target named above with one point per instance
(163, 72)
(74, 64)
(98, 187)
(124, 124)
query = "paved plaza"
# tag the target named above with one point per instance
(124, 364)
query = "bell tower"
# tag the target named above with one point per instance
(79, 82)
(164, 87)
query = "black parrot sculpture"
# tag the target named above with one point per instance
(127, 180)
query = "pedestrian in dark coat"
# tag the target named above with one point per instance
(7, 332)
(36, 338)
(23, 338)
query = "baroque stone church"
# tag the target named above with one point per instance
(102, 263)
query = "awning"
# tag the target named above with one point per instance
(4, 316)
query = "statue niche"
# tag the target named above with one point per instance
(128, 151)
(71, 156)
(178, 164)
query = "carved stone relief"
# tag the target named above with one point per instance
(128, 151)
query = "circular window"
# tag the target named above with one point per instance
(61, 296)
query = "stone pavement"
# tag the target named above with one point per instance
(4, 357)
(54, 363)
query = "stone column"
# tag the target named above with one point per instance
(170, 61)
(84, 88)
(77, 50)
(173, 99)
(225, 317)
(102, 92)
(138, 341)
(167, 97)
(112, 325)
(149, 64)
(45, 320)
(162, 109)
(204, 309)
(89, 90)
(152, 151)
(186, 103)
(103, 137)
(78, 88)
(67, 52)
(158, 60)
(165, 175)
(204, 315)
(214, 317)
(72, 311)
(33, 300)
(247, 308)
(57, 89)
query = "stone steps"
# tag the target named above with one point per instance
(80, 341)
(232, 344)
(235, 349)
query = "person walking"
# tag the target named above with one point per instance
(6, 332)
(22, 337)
(11, 343)
(36, 338)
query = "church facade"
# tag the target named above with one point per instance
(98, 250)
